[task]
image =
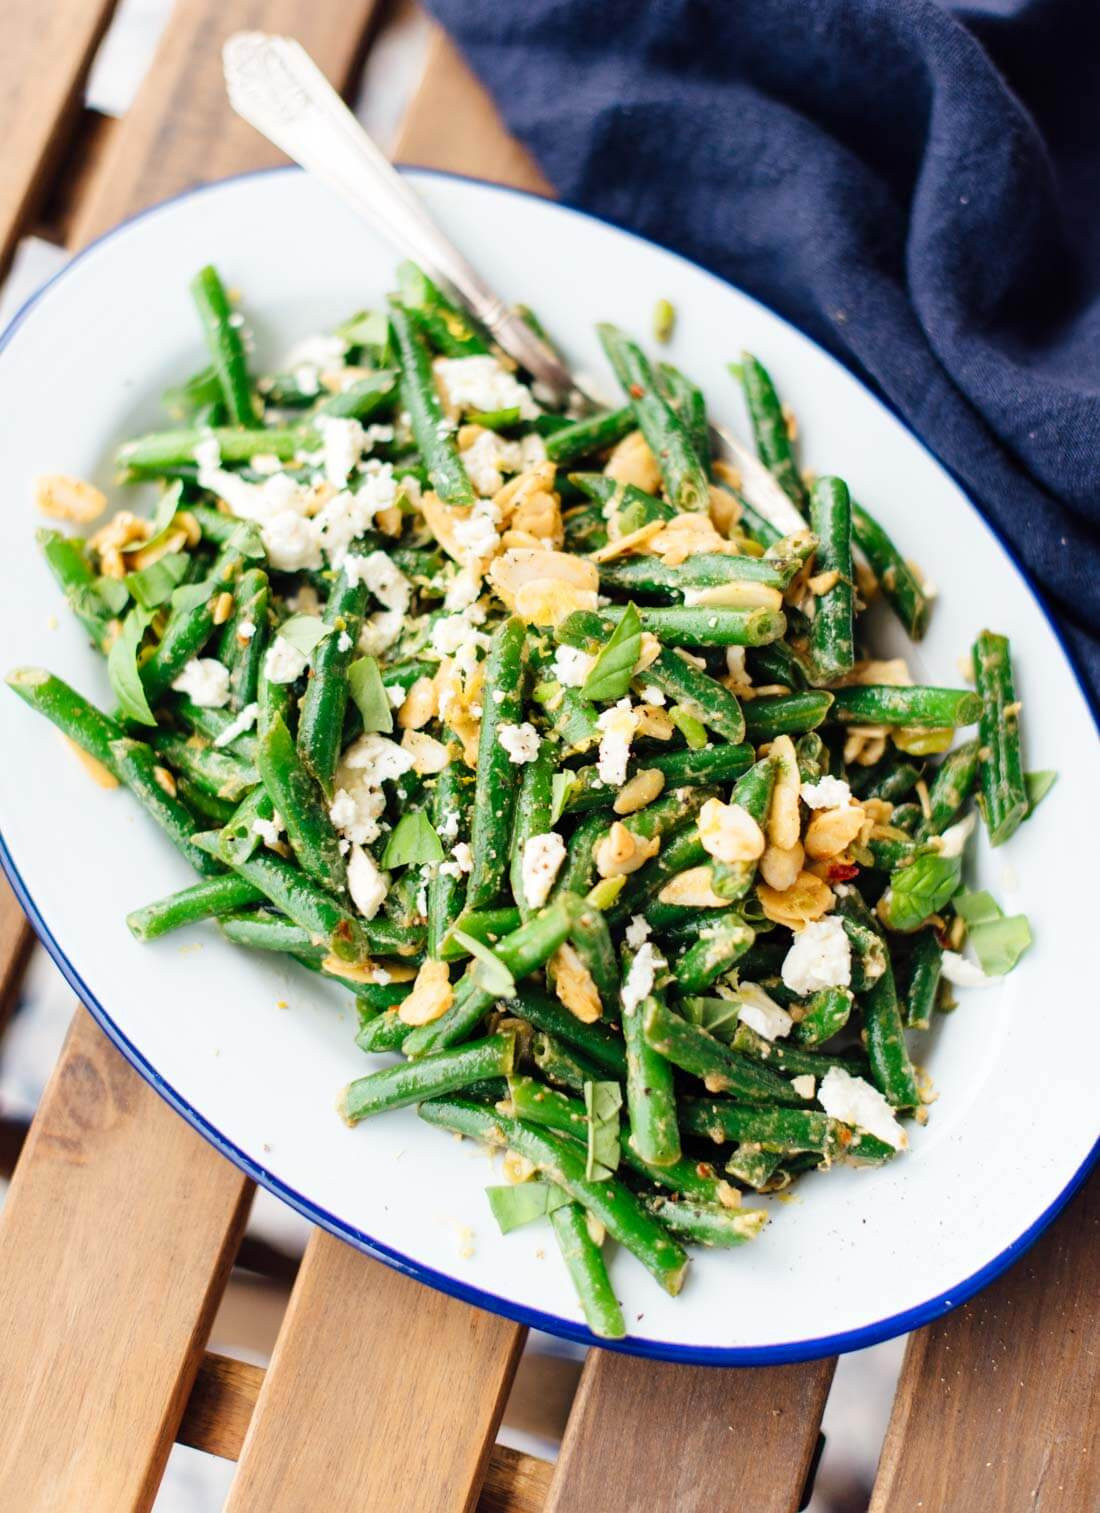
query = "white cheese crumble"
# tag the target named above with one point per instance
(342, 447)
(637, 932)
(453, 633)
(489, 455)
(819, 958)
(521, 742)
(963, 973)
(853, 1101)
(358, 800)
(479, 534)
(480, 383)
(283, 662)
(319, 352)
(761, 1012)
(542, 859)
(826, 793)
(205, 682)
(463, 589)
(954, 838)
(571, 666)
(246, 630)
(616, 726)
(462, 859)
(653, 695)
(639, 980)
(270, 831)
(804, 1086)
(292, 542)
(366, 884)
(244, 721)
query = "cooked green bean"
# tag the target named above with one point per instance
(1000, 762)
(420, 398)
(430, 1077)
(832, 637)
(769, 424)
(223, 337)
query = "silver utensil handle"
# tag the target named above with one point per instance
(275, 85)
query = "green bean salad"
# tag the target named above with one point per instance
(558, 741)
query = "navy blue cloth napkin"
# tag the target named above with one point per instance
(917, 186)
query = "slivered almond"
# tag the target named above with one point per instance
(621, 852)
(784, 816)
(653, 722)
(431, 996)
(222, 608)
(821, 583)
(808, 898)
(419, 706)
(780, 866)
(831, 831)
(429, 755)
(641, 790)
(632, 462)
(692, 889)
(574, 985)
(63, 497)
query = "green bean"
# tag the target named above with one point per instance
(300, 800)
(385, 1032)
(136, 764)
(632, 505)
(891, 1068)
(262, 931)
(495, 793)
(216, 526)
(650, 1089)
(785, 714)
(825, 1015)
(484, 925)
(84, 724)
(868, 952)
(886, 704)
(532, 816)
(521, 952)
(657, 820)
(694, 1050)
(649, 575)
(213, 723)
(204, 806)
(216, 771)
(686, 398)
(891, 779)
(74, 576)
(580, 861)
(591, 939)
(901, 588)
(305, 902)
(832, 636)
(190, 627)
(223, 337)
(679, 625)
(788, 1058)
(753, 1167)
(622, 1215)
(321, 722)
(244, 654)
(683, 849)
(1003, 800)
(776, 664)
(750, 521)
(430, 428)
(782, 1130)
(950, 788)
(596, 1043)
(205, 900)
(769, 424)
(449, 329)
(681, 769)
(669, 439)
(451, 800)
(702, 1225)
(162, 450)
(430, 1077)
(559, 1063)
(925, 966)
(596, 433)
(239, 834)
(722, 942)
(587, 1270)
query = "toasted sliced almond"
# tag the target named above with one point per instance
(429, 755)
(779, 866)
(724, 510)
(222, 608)
(808, 898)
(621, 852)
(735, 596)
(419, 706)
(692, 889)
(831, 831)
(729, 833)
(633, 462)
(431, 996)
(633, 541)
(63, 497)
(784, 816)
(574, 985)
(653, 722)
(99, 774)
(641, 790)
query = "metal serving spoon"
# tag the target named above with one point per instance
(276, 87)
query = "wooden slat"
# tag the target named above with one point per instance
(76, 177)
(48, 48)
(645, 1434)
(379, 1393)
(115, 1242)
(180, 130)
(453, 124)
(15, 945)
(998, 1407)
(220, 1407)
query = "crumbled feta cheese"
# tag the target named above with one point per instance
(463, 589)
(637, 932)
(653, 695)
(639, 980)
(260, 502)
(616, 726)
(447, 828)
(521, 742)
(954, 838)
(571, 666)
(316, 352)
(307, 379)
(283, 662)
(480, 383)
(291, 541)
(735, 664)
(207, 454)
(377, 758)
(205, 682)
(486, 458)
(372, 435)
(819, 958)
(478, 534)
(342, 447)
(344, 517)
(270, 831)
(454, 633)
(804, 1086)
(963, 973)
(343, 641)
(396, 695)
(382, 576)
(826, 793)
(380, 631)
(542, 858)
(463, 855)
(450, 869)
(244, 721)
(366, 884)
(853, 1101)
(245, 630)
(761, 1012)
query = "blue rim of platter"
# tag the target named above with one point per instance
(754, 1355)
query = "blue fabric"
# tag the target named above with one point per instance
(915, 185)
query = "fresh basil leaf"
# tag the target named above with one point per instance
(602, 1102)
(122, 668)
(370, 328)
(614, 667)
(114, 593)
(165, 513)
(367, 689)
(246, 539)
(976, 908)
(516, 1205)
(190, 596)
(718, 1015)
(692, 729)
(152, 586)
(561, 790)
(1038, 785)
(920, 889)
(200, 390)
(304, 632)
(999, 943)
(575, 722)
(412, 842)
(490, 973)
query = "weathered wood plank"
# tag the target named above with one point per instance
(15, 944)
(998, 1407)
(402, 1388)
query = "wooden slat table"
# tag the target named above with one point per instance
(121, 1224)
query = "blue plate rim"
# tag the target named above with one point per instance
(736, 1355)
